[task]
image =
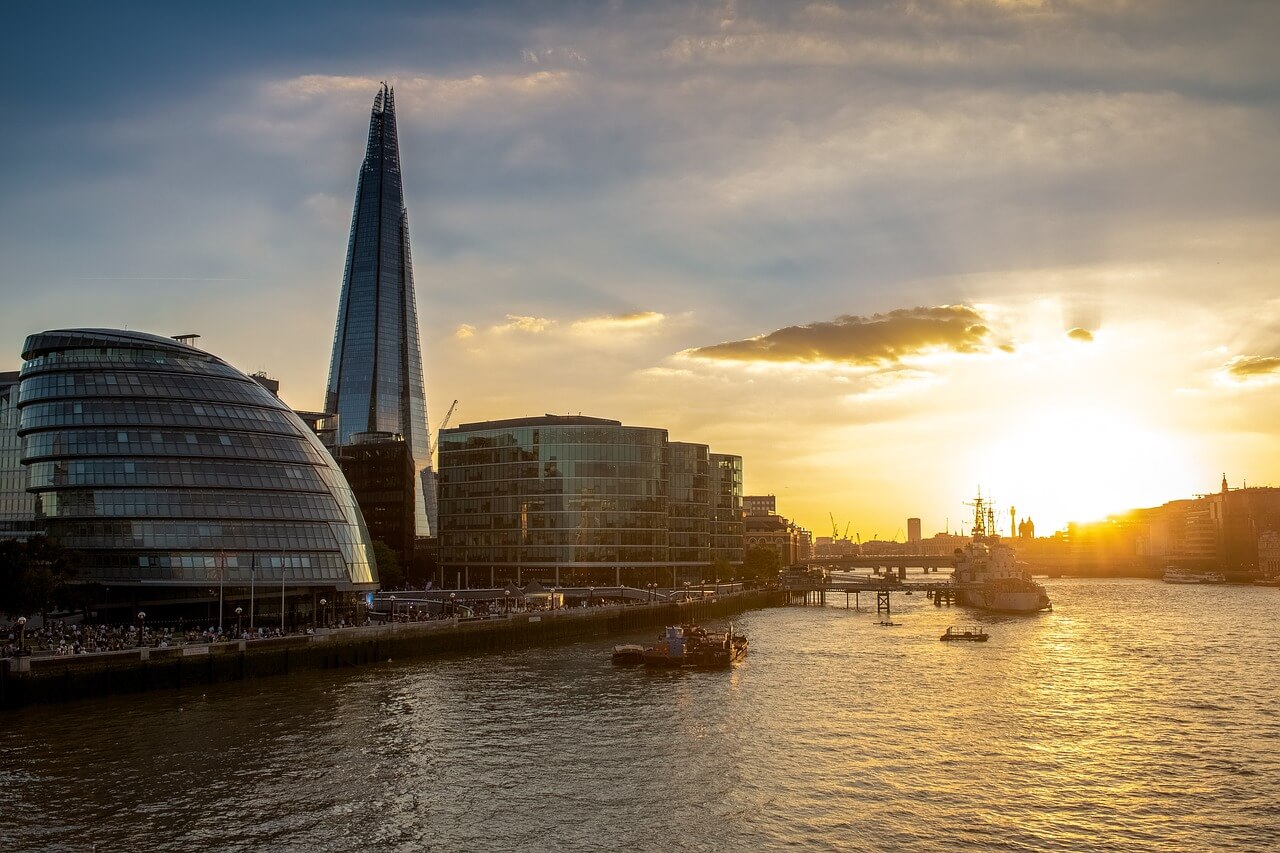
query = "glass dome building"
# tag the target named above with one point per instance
(180, 479)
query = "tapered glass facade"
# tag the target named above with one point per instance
(165, 466)
(375, 373)
(566, 499)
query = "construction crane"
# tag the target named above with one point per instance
(435, 439)
(846, 531)
(835, 528)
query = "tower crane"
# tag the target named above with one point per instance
(846, 530)
(435, 439)
(835, 528)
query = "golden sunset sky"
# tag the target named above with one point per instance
(888, 252)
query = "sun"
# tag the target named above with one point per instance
(1080, 464)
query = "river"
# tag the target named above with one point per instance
(1136, 715)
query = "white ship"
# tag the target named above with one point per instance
(987, 574)
(1173, 574)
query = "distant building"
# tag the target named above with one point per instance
(913, 531)
(760, 505)
(382, 475)
(17, 505)
(689, 508)
(176, 476)
(1269, 554)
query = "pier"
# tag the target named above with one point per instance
(814, 591)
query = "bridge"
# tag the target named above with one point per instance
(814, 591)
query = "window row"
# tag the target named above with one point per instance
(612, 486)
(184, 535)
(56, 385)
(569, 503)
(547, 453)
(569, 522)
(117, 503)
(167, 443)
(127, 358)
(176, 473)
(156, 413)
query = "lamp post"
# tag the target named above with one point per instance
(324, 613)
(453, 604)
(239, 613)
(22, 635)
(141, 624)
(591, 591)
(393, 608)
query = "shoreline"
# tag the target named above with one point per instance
(42, 680)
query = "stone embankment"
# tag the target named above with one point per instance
(42, 680)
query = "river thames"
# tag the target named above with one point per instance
(1137, 715)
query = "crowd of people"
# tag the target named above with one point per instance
(61, 638)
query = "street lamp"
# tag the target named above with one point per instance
(22, 635)
(393, 608)
(453, 604)
(324, 614)
(239, 613)
(591, 591)
(141, 624)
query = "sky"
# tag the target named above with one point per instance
(890, 253)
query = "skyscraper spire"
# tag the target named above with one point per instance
(375, 374)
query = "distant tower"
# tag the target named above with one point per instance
(913, 531)
(1224, 482)
(1013, 522)
(375, 375)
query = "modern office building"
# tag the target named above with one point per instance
(177, 477)
(913, 531)
(689, 507)
(17, 505)
(375, 375)
(382, 474)
(760, 505)
(726, 509)
(574, 500)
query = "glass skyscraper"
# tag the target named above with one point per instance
(375, 374)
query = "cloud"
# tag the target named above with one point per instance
(874, 341)
(631, 321)
(464, 331)
(532, 325)
(1079, 334)
(1248, 366)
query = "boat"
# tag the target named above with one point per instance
(987, 574)
(1174, 574)
(689, 646)
(628, 654)
(972, 635)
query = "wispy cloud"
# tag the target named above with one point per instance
(516, 323)
(877, 340)
(631, 321)
(1251, 366)
(1079, 334)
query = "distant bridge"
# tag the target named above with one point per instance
(928, 562)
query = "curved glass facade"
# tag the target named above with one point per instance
(555, 492)
(165, 465)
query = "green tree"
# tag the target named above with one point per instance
(761, 563)
(35, 575)
(390, 573)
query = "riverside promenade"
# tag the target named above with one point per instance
(26, 681)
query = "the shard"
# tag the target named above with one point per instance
(375, 375)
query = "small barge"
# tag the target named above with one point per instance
(972, 635)
(628, 655)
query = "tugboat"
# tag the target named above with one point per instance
(987, 575)
(972, 635)
(692, 647)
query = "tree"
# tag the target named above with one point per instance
(390, 574)
(761, 563)
(35, 574)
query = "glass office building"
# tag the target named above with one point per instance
(175, 474)
(375, 373)
(565, 500)
(17, 505)
(689, 507)
(579, 501)
(726, 508)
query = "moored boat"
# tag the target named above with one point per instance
(628, 655)
(972, 635)
(1174, 574)
(987, 574)
(692, 646)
